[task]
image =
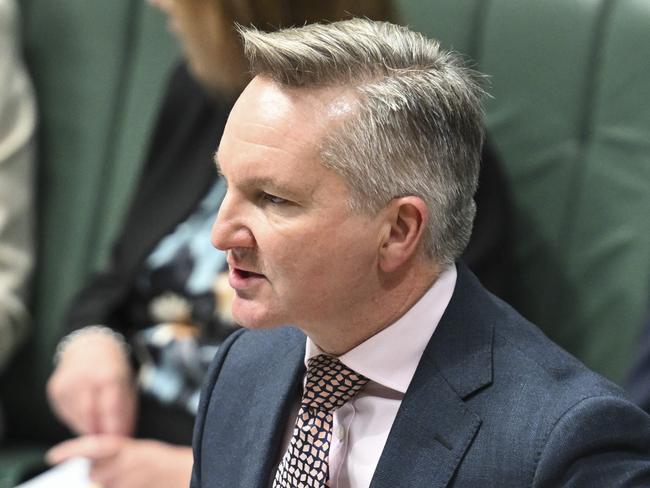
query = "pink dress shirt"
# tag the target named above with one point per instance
(389, 359)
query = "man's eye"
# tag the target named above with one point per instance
(273, 199)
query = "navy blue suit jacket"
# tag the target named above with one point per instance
(493, 403)
(638, 382)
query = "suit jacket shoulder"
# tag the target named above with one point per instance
(545, 419)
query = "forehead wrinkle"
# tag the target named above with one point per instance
(269, 127)
(281, 131)
(263, 148)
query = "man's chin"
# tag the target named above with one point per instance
(251, 316)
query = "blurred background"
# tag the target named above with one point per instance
(568, 116)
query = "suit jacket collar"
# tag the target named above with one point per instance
(461, 348)
(434, 427)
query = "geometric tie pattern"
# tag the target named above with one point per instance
(328, 385)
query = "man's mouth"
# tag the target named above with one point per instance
(242, 275)
(246, 274)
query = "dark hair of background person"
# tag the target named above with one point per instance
(272, 14)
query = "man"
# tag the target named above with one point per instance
(351, 161)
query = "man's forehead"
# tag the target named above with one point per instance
(276, 102)
(270, 118)
(272, 123)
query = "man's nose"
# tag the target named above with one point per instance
(229, 229)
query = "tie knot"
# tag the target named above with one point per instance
(330, 383)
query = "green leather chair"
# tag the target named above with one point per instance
(570, 117)
(99, 69)
(569, 114)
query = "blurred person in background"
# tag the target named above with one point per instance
(144, 329)
(17, 123)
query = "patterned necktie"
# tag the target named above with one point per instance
(328, 386)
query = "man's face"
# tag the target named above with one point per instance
(297, 254)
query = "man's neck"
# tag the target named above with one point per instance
(392, 300)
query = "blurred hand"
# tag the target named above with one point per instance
(121, 462)
(92, 389)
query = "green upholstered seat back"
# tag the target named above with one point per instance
(99, 69)
(570, 116)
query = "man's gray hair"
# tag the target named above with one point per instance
(417, 129)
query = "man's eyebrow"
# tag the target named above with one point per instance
(272, 185)
(262, 181)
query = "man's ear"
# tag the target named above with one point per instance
(406, 222)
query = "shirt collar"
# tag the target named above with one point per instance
(391, 356)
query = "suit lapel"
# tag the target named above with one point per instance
(266, 414)
(434, 427)
(424, 449)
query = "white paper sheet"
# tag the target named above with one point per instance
(69, 474)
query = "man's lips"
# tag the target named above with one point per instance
(247, 274)
(240, 278)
